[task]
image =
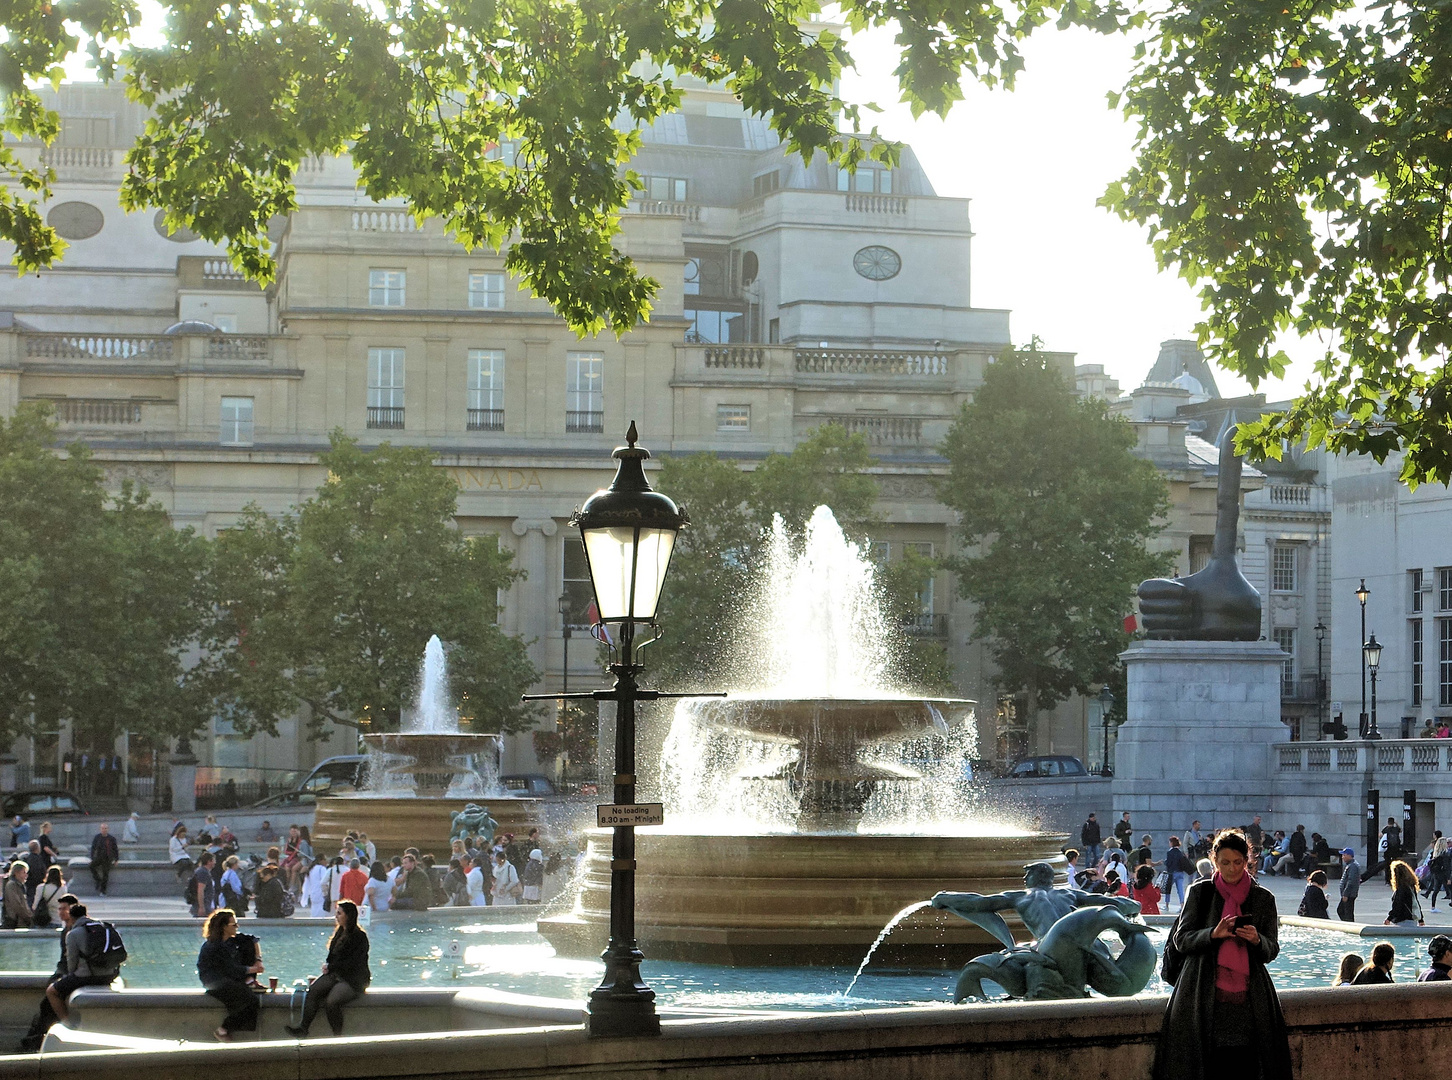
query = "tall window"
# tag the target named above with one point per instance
(1283, 568)
(1285, 637)
(1444, 661)
(925, 591)
(766, 183)
(385, 388)
(1414, 583)
(385, 288)
(236, 421)
(486, 290)
(584, 392)
(1417, 660)
(577, 589)
(1444, 588)
(486, 390)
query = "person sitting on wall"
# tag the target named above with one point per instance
(345, 973)
(1379, 971)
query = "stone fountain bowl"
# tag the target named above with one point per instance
(749, 900)
(430, 746)
(862, 720)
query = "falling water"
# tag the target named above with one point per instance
(889, 928)
(433, 712)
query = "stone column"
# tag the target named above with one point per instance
(183, 779)
(1198, 742)
(538, 618)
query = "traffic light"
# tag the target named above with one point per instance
(1336, 728)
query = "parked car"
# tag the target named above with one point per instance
(529, 784)
(335, 775)
(1052, 765)
(286, 800)
(41, 802)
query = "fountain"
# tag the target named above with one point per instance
(418, 777)
(804, 812)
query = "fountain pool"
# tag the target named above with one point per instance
(515, 958)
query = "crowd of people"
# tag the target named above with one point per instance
(293, 876)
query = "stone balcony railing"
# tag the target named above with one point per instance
(879, 429)
(1400, 756)
(817, 367)
(160, 350)
(906, 364)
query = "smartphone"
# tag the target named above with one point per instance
(1244, 920)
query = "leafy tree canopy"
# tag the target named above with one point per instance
(1294, 160)
(1056, 513)
(332, 607)
(718, 559)
(97, 597)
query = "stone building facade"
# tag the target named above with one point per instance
(791, 296)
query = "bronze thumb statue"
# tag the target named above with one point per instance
(1217, 603)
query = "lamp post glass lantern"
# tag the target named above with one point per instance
(1106, 703)
(629, 533)
(1371, 656)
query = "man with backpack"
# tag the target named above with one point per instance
(93, 957)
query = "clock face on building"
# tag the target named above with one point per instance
(877, 263)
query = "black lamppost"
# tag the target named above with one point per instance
(1371, 656)
(1362, 593)
(629, 532)
(1320, 678)
(1106, 702)
(565, 627)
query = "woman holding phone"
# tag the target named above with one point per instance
(1223, 1017)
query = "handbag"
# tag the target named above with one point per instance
(1173, 961)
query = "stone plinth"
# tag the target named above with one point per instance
(1198, 741)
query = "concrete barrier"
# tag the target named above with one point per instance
(1347, 1032)
(20, 994)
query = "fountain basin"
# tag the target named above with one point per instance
(797, 899)
(434, 759)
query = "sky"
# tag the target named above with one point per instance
(1034, 160)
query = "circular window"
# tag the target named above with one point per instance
(180, 236)
(750, 267)
(877, 263)
(75, 220)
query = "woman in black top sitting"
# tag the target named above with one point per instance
(1379, 971)
(345, 973)
(225, 975)
(1440, 950)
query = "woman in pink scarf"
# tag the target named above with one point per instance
(1223, 1018)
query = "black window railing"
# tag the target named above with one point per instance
(385, 416)
(584, 421)
(927, 625)
(486, 420)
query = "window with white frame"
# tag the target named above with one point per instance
(1444, 588)
(236, 421)
(866, 180)
(486, 390)
(1285, 637)
(1444, 661)
(486, 290)
(584, 392)
(663, 188)
(1414, 627)
(386, 288)
(385, 388)
(733, 417)
(1283, 568)
(1414, 585)
(577, 588)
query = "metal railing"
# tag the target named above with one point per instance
(97, 411)
(1301, 688)
(579, 422)
(929, 625)
(385, 416)
(485, 420)
(870, 362)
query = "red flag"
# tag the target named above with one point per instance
(598, 630)
(1131, 623)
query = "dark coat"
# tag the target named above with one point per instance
(1314, 905)
(1187, 1032)
(348, 959)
